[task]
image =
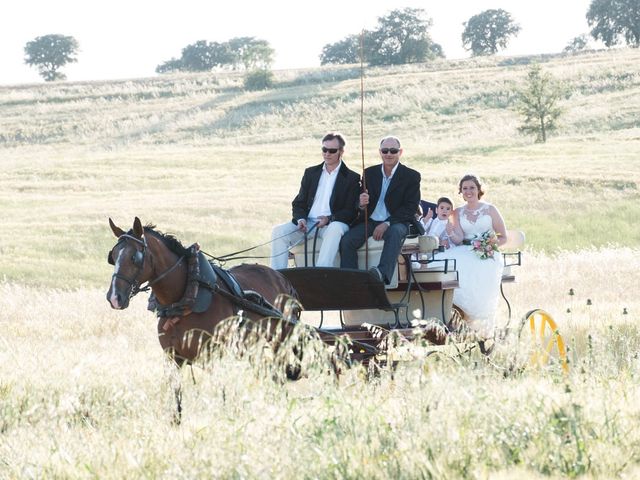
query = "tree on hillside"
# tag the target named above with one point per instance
(173, 65)
(538, 103)
(615, 21)
(402, 36)
(49, 53)
(203, 56)
(488, 31)
(251, 53)
(344, 51)
(577, 44)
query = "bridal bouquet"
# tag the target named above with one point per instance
(485, 245)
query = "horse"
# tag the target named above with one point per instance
(190, 309)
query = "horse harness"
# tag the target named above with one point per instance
(203, 281)
(138, 260)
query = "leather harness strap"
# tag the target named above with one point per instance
(250, 301)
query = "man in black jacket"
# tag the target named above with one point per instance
(390, 201)
(328, 195)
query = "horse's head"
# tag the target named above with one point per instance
(128, 257)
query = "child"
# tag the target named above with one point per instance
(438, 226)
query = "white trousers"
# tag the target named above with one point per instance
(286, 235)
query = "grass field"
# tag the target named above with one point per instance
(84, 390)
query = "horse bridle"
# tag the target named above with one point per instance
(138, 260)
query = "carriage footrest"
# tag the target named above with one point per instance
(327, 288)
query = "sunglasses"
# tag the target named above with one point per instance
(392, 151)
(329, 150)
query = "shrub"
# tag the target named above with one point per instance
(258, 80)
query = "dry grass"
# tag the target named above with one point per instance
(84, 390)
(84, 393)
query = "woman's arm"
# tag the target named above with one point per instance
(455, 231)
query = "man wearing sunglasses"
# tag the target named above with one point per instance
(327, 199)
(389, 202)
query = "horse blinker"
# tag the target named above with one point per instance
(138, 258)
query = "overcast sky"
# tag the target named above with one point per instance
(129, 38)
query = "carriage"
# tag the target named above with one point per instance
(418, 302)
(337, 304)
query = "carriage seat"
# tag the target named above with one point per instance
(425, 243)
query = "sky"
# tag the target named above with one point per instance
(121, 39)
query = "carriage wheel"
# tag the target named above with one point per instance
(547, 343)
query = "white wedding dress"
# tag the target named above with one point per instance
(479, 279)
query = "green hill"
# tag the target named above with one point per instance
(201, 157)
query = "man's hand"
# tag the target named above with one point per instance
(322, 221)
(302, 225)
(364, 199)
(378, 232)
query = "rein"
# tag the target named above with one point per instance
(248, 304)
(233, 256)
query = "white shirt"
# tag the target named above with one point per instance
(436, 227)
(380, 214)
(322, 199)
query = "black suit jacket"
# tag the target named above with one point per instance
(403, 194)
(344, 198)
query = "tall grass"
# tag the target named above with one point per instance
(85, 392)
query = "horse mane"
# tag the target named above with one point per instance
(170, 241)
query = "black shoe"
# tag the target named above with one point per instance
(376, 273)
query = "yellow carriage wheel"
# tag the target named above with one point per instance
(547, 343)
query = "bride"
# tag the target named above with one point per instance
(479, 278)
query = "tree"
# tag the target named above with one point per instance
(538, 103)
(344, 51)
(203, 56)
(488, 31)
(49, 53)
(173, 65)
(251, 53)
(615, 21)
(401, 37)
(577, 44)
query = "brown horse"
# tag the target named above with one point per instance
(145, 255)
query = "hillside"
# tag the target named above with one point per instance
(204, 159)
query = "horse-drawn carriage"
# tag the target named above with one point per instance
(418, 302)
(195, 295)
